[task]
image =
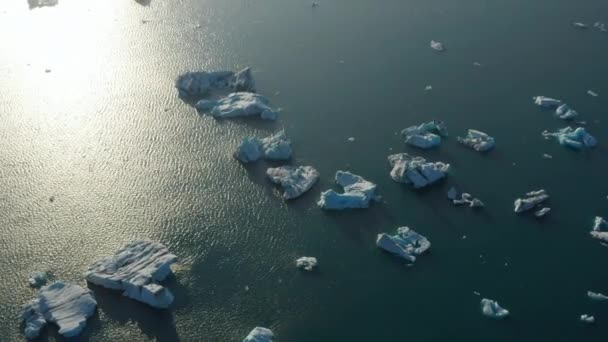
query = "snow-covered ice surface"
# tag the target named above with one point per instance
(240, 104)
(477, 140)
(42, 3)
(596, 296)
(274, 147)
(135, 268)
(564, 112)
(426, 135)
(406, 244)
(66, 305)
(259, 334)
(437, 46)
(587, 319)
(358, 193)
(306, 263)
(294, 180)
(416, 170)
(490, 308)
(577, 139)
(531, 200)
(202, 83)
(600, 229)
(546, 102)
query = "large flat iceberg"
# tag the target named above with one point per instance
(406, 244)
(202, 83)
(600, 229)
(490, 308)
(577, 139)
(416, 170)
(66, 305)
(477, 140)
(259, 334)
(294, 180)
(426, 135)
(274, 147)
(240, 104)
(531, 200)
(358, 193)
(135, 269)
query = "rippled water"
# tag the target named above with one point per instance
(97, 150)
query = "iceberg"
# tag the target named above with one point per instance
(66, 305)
(600, 26)
(259, 334)
(587, 319)
(306, 263)
(406, 244)
(546, 102)
(542, 212)
(592, 93)
(490, 308)
(565, 113)
(477, 140)
(358, 193)
(580, 25)
(241, 104)
(600, 229)
(437, 46)
(202, 83)
(135, 268)
(596, 296)
(294, 180)
(531, 200)
(574, 138)
(38, 279)
(274, 147)
(426, 135)
(464, 198)
(416, 170)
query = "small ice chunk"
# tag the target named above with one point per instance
(351, 139)
(580, 25)
(416, 170)
(428, 88)
(546, 102)
(566, 113)
(306, 263)
(477, 64)
(358, 193)
(476, 203)
(135, 268)
(294, 180)
(547, 156)
(38, 279)
(241, 104)
(592, 93)
(531, 200)
(542, 212)
(600, 229)
(66, 305)
(596, 296)
(600, 26)
(202, 83)
(406, 244)
(452, 193)
(437, 46)
(259, 334)
(587, 319)
(491, 308)
(426, 135)
(577, 139)
(477, 140)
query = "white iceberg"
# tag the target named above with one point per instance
(542, 212)
(306, 263)
(490, 308)
(294, 180)
(574, 138)
(600, 229)
(241, 104)
(531, 200)
(66, 305)
(596, 296)
(201, 83)
(135, 268)
(546, 102)
(259, 334)
(566, 113)
(437, 46)
(587, 319)
(274, 147)
(477, 140)
(426, 135)
(406, 244)
(416, 170)
(358, 193)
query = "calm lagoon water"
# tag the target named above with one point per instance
(91, 120)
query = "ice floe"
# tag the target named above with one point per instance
(477, 140)
(546, 102)
(426, 135)
(135, 269)
(596, 296)
(600, 229)
(587, 319)
(416, 170)
(490, 308)
(531, 200)
(259, 334)
(437, 46)
(38, 279)
(240, 104)
(294, 180)
(306, 263)
(66, 305)
(406, 244)
(202, 83)
(274, 147)
(358, 193)
(577, 139)
(566, 113)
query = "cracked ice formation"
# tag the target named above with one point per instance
(259, 334)
(241, 104)
(306, 263)
(596, 296)
(406, 244)
(600, 229)
(491, 308)
(135, 268)
(294, 180)
(202, 83)
(531, 200)
(274, 147)
(477, 140)
(66, 305)
(566, 113)
(358, 193)
(426, 135)
(546, 102)
(437, 46)
(416, 170)
(573, 138)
